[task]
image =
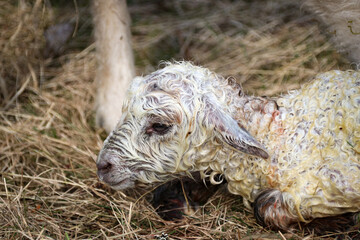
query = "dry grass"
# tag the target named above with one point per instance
(48, 140)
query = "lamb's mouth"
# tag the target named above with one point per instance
(122, 184)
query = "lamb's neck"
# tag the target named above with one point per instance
(258, 115)
(261, 118)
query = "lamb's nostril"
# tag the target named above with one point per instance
(104, 167)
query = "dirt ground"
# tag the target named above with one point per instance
(48, 138)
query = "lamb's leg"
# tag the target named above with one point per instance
(115, 59)
(272, 211)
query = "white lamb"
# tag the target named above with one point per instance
(297, 156)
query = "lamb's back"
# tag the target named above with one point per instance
(318, 162)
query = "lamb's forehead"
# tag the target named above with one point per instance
(172, 73)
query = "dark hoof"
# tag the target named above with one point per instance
(272, 211)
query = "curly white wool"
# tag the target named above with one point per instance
(312, 138)
(319, 163)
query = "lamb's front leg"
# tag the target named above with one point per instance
(273, 210)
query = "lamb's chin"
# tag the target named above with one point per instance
(123, 185)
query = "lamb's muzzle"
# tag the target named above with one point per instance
(110, 171)
(305, 145)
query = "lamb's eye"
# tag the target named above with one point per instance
(158, 128)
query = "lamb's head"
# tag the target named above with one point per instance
(167, 117)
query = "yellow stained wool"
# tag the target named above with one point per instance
(321, 144)
(314, 145)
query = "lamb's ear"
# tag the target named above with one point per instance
(231, 133)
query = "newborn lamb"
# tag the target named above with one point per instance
(296, 157)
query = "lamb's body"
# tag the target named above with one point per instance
(318, 156)
(182, 119)
(314, 145)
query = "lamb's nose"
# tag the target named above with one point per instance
(104, 165)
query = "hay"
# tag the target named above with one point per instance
(48, 139)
